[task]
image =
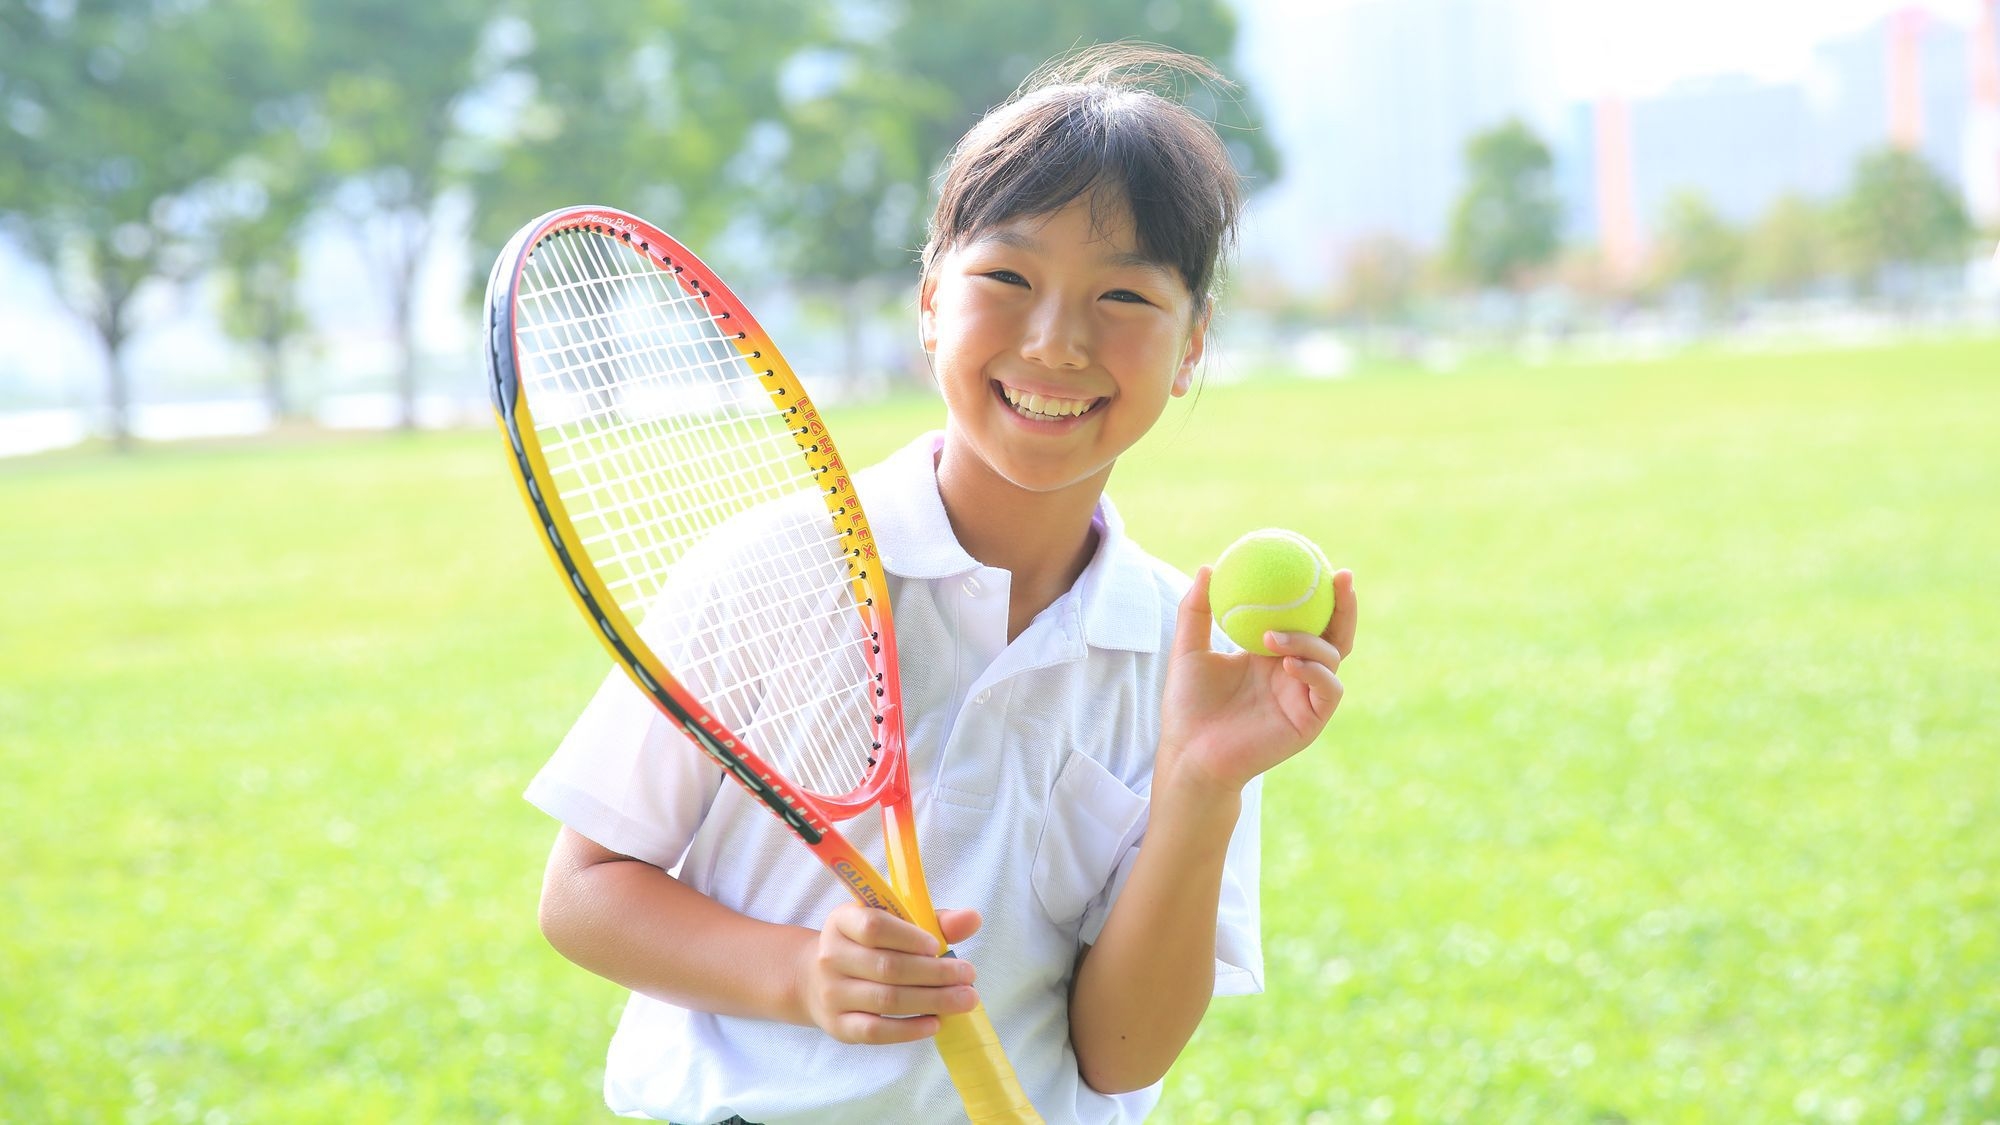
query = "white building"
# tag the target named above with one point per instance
(1371, 103)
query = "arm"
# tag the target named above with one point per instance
(632, 923)
(1143, 987)
(1141, 990)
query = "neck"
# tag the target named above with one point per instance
(1044, 540)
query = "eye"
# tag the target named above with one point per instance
(1006, 277)
(1126, 296)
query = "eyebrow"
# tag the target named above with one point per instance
(1123, 259)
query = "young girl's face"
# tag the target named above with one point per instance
(1056, 344)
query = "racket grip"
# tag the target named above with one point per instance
(979, 1068)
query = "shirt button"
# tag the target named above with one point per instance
(971, 587)
(982, 697)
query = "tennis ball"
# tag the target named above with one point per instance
(1271, 579)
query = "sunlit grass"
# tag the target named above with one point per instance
(1667, 787)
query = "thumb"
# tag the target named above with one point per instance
(1191, 629)
(958, 924)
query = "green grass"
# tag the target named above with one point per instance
(1667, 788)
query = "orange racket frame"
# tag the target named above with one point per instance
(967, 1043)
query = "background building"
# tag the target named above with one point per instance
(1371, 103)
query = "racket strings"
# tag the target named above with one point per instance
(691, 498)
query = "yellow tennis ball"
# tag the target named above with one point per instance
(1271, 579)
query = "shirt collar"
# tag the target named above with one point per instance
(1118, 592)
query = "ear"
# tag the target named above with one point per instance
(927, 315)
(1197, 342)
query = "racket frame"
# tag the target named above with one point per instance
(810, 816)
(968, 1043)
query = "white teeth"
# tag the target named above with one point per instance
(1045, 405)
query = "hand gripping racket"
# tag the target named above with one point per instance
(656, 433)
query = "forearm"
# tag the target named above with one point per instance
(1142, 989)
(632, 923)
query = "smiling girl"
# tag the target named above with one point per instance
(1086, 763)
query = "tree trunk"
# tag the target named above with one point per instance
(403, 316)
(110, 326)
(406, 370)
(274, 379)
(395, 258)
(118, 396)
(850, 334)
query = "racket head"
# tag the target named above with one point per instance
(558, 381)
(672, 457)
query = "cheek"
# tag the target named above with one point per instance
(962, 321)
(1149, 353)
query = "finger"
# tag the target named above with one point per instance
(1192, 627)
(914, 970)
(879, 929)
(958, 925)
(1346, 614)
(873, 1029)
(852, 961)
(1304, 646)
(1323, 688)
(901, 1001)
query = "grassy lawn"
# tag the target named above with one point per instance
(1667, 788)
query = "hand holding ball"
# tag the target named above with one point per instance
(1270, 580)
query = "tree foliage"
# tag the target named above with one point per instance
(1381, 279)
(1899, 212)
(142, 141)
(1508, 218)
(667, 118)
(257, 260)
(874, 111)
(389, 83)
(122, 119)
(1789, 248)
(950, 67)
(1700, 249)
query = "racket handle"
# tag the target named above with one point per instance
(979, 1068)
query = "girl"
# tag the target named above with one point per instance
(1086, 765)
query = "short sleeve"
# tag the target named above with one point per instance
(626, 778)
(1239, 943)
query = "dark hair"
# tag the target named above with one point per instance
(1097, 119)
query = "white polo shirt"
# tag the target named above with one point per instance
(1032, 764)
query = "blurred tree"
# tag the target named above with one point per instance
(1789, 248)
(392, 81)
(812, 152)
(1507, 220)
(1900, 214)
(1698, 248)
(976, 55)
(849, 188)
(1593, 280)
(1382, 276)
(664, 118)
(121, 119)
(257, 259)
(872, 115)
(276, 185)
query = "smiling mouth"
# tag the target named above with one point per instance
(1046, 408)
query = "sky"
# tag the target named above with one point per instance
(1640, 46)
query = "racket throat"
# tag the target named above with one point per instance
(899, 833)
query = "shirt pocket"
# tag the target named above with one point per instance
(1091, 821)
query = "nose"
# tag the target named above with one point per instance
(1056, 335)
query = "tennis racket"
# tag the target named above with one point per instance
(672, 461)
